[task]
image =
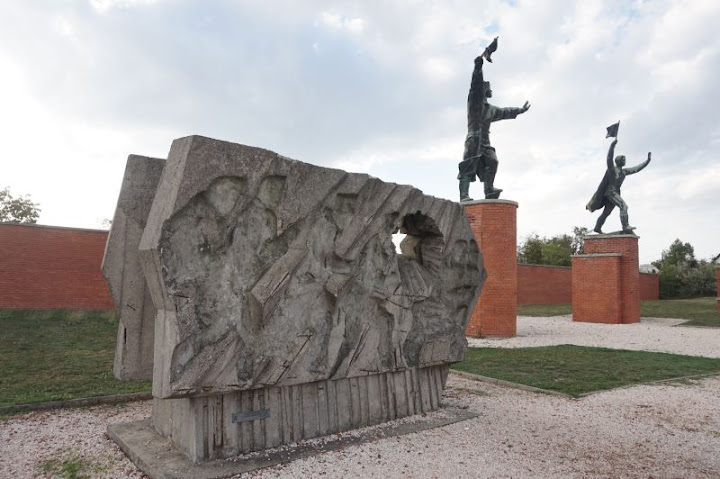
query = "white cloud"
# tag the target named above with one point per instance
(64, 27)
(103, 6)
(438, 68)
(339, 22)
(378, 87)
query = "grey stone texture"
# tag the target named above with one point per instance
(269, 273)
(123, 273)
(212, 427)
(266, 296)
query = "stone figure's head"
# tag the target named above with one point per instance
(488, 90)
(620, 160)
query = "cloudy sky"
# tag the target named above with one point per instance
(375, 86)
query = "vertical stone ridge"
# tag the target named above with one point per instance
(203, 427)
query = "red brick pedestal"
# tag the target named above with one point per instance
(606, 280)
(494, 224)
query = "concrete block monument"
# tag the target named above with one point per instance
(123, 273)
(284, 312)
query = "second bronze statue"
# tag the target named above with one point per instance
(607, 195)
(479, 157)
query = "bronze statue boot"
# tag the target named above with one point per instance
(628, 230)
(598, 225)
(464, 191)
(492, 193)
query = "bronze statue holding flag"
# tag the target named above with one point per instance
(479, 157)
(608, 193)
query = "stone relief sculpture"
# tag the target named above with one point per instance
(607, 195)
(479, 157)
(284, 311)
(123, 273)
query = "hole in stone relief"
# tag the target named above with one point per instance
(417, 235)
(398, 238)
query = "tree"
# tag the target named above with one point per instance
(682, 275)
(530, 251)
(17, 210)
(578, 242)
(556, 250)
(678, 254)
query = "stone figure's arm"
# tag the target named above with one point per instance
(635, 169)
(497, 114)
(611, 154)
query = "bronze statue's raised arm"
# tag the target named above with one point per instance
(635, 169)
(611, 154)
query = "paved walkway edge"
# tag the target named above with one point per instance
(158, 458)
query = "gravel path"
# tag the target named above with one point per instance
(650, 334)
(661, 430)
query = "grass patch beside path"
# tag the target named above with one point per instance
(544, 309)
(55, 355)
(699, 311)
(577, 370)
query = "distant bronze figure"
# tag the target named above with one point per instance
(479, 158)
(608, 193)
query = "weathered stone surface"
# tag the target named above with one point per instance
(221, 426)
(123, 273)
(271, 272)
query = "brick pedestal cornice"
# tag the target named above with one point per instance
(606, 280)
(494, 224)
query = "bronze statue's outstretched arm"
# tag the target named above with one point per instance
(611, 154)
(508, 113)
(635, 169)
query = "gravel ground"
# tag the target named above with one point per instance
(659, 431)
(650, 334)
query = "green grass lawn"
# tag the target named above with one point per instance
(699, 311)
(544, 309)
(52, 355)
(577, 370)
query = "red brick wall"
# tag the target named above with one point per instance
(49, 267)
(542, 284)
(649, 286)
(45, 267)
(597, 291)
(627, 247)
(494, 224)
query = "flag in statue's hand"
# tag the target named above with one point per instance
(490, 49)
(612, 130)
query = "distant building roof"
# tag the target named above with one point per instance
(648, 268)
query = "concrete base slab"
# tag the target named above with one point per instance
(156, 456)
